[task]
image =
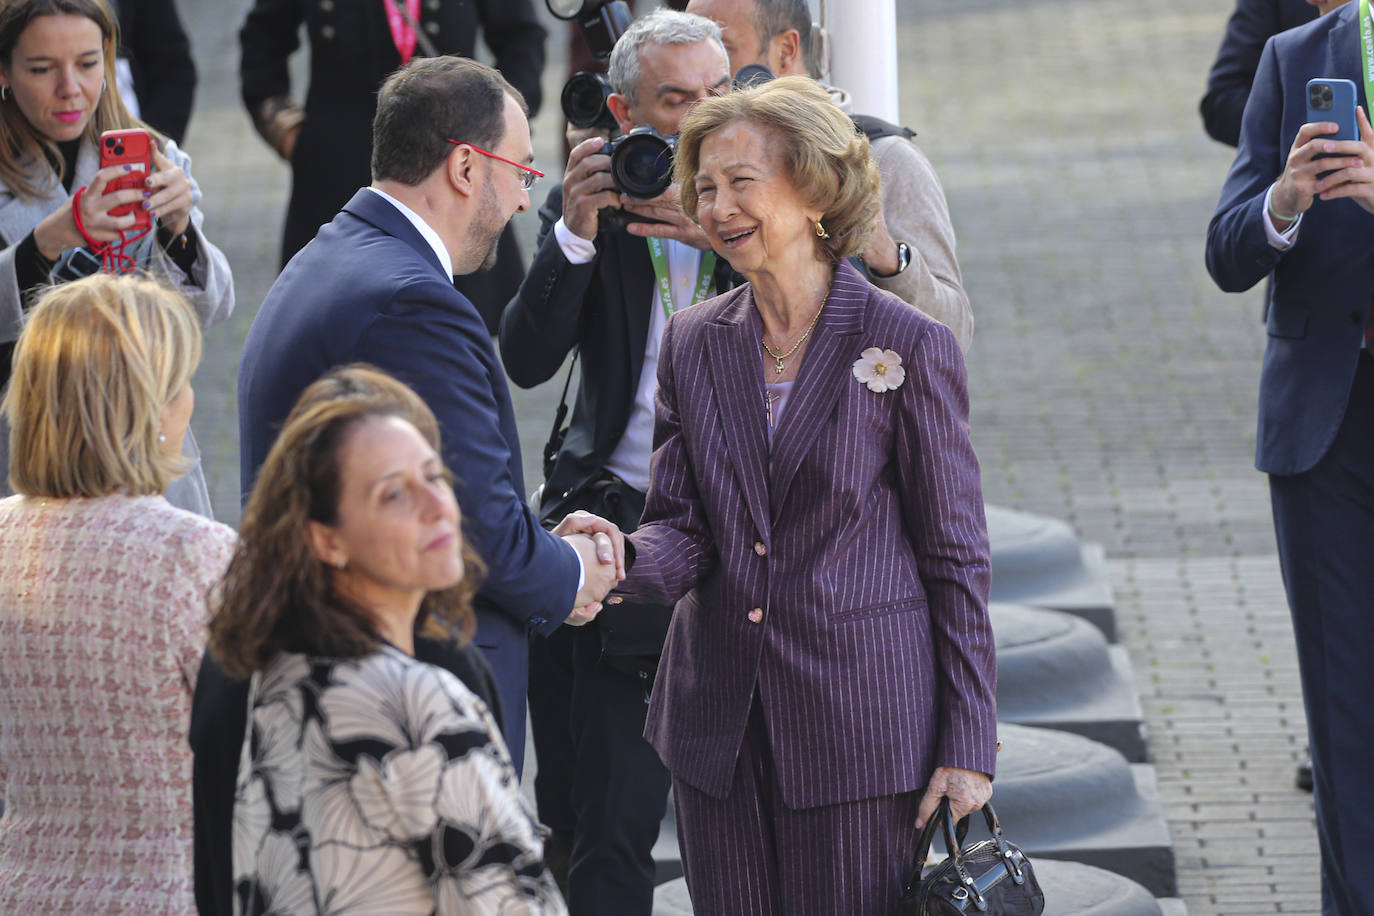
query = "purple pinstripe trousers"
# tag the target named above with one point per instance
(751, 855)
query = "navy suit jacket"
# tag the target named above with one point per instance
(370, 289)
(1228, 83)
(1323, 285)
(860, 537)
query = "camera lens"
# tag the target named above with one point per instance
(642, 165)
(584, 99)
(119, 150)
(109, 141)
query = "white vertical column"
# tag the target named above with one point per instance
(863, 53)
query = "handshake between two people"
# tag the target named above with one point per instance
(601, 545)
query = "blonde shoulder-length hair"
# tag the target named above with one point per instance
(97, 363)
(30, 163)
(826, 157)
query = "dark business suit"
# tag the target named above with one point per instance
(833, 585)
(370, 289)
(1232, 73)
(600, 786)
(159, 54)
(1316, 432)
(351, 53)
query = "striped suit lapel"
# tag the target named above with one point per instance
(824, 373)
(734, 360)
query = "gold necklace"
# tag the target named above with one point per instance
(779, 357)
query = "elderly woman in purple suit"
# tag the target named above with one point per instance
(816, 514)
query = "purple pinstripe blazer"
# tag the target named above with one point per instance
(861, 537)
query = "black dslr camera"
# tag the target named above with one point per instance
(641, 162)
(585, 93)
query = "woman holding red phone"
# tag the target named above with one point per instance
(58, 94)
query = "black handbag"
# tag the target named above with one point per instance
(992, 876)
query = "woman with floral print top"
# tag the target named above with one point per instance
(369, 780)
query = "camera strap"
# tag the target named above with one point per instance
(700, 292)
(1367, 53)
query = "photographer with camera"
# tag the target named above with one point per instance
(911, 253)
(597, 286)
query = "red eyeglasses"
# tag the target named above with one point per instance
(528, 176)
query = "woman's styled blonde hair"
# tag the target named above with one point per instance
(826, 156)
(97, 362)
(22, 146)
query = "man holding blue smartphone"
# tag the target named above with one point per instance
(1313, 230)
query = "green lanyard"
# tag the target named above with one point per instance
(1367, 51)
(665, 286)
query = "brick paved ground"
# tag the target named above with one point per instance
(1112, 384)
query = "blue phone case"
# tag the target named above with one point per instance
(1333, 100)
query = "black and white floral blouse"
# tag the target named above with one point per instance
(380, 785)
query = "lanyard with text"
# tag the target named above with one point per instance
(401, 21)
(665, 287)
(1367, 51)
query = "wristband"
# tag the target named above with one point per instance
(1280, 216)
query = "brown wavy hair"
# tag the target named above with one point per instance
(21, 144)
(277, 595)
(825, 155)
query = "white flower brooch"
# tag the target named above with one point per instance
(881, 370)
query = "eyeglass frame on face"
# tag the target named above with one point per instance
(528, 175)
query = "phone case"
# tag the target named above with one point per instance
(1333, 100)
(133, 148)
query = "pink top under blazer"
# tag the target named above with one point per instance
(860, 537)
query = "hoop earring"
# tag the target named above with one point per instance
(4, 93)
(820, 231)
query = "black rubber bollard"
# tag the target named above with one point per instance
(1056, 670)
(1039, 561)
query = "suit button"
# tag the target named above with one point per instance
(432, 5)
(327, 32)
(760, 549)
(756, 615)
(327, 6)
(432, 28)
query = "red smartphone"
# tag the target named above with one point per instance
(133, 148)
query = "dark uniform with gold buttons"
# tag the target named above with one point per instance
(351, 53)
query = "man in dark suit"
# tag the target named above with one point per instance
(449, 165)
(155, 57)
(1313, 228)
(592, 287)
(1228, 83)
(1228, 88)
(354, 45)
